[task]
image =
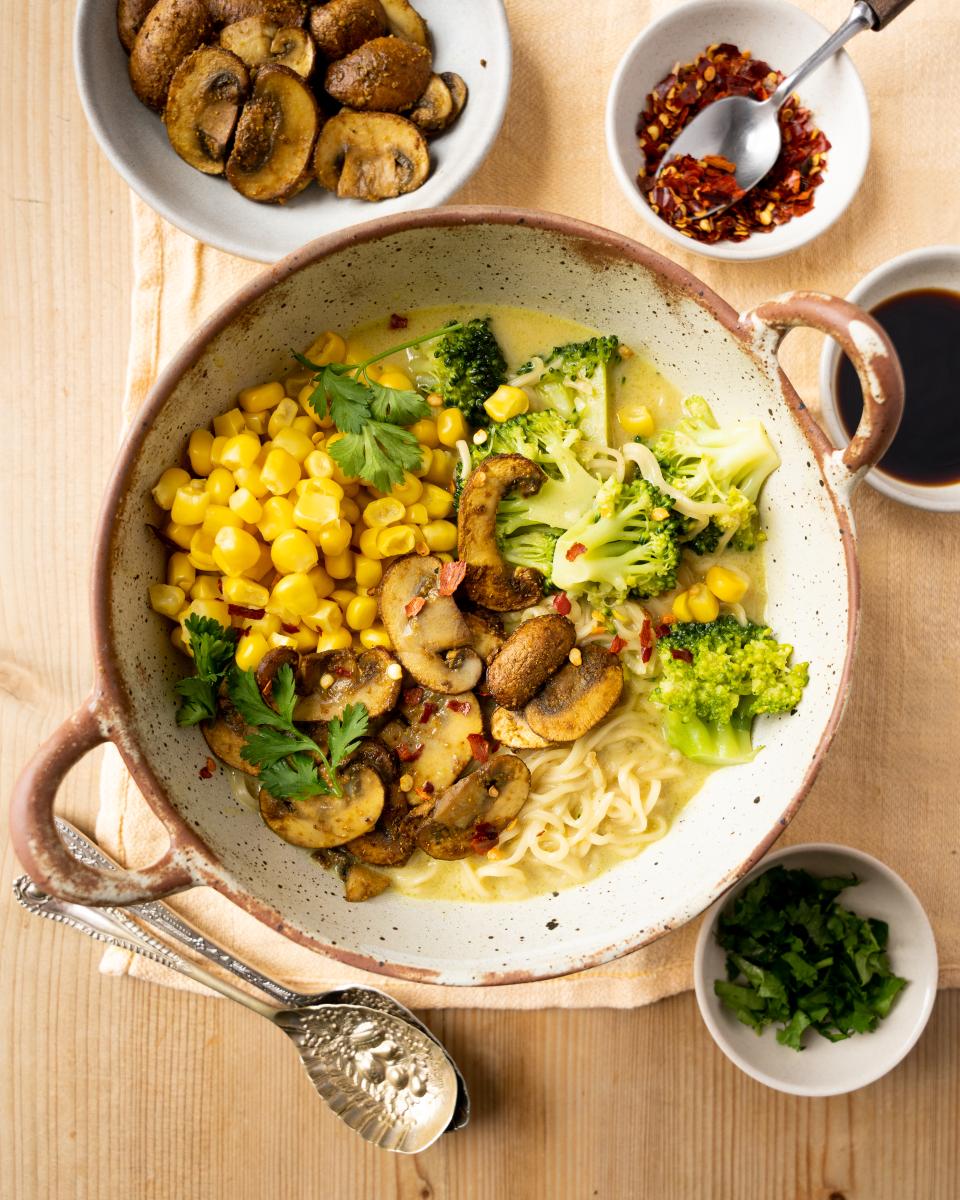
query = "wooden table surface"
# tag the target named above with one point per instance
(113, 1089)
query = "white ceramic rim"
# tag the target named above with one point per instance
(933, 497)
(752, 249)
(708, 1004)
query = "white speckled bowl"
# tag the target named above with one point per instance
(475, 256)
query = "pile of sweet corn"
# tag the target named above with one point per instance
(274, 540)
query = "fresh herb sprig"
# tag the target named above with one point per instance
(292, 765)
(795, 957)
(375, 447)
(213, 649)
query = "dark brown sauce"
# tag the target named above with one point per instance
(924, 327)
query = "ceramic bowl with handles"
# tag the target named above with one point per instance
(473, 255)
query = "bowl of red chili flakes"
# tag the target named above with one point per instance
(704, 50)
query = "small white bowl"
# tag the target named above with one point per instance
(784, 36)
(472, 39)
(930, 267)
(826, 1068)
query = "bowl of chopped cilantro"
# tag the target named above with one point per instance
(817, 973)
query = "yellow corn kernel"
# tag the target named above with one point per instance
(200, 451)
(376, 635)
(266, 625)
(367, 571)
(328, 348)
(245, 592)
(426, 458)
(181, 535)
(296, 443)
(201, 550)
(315, 512)
(293, 594)
(249, 478)
(319, 465)
(283, 416)
(263, 566)
(277, 516)
(216, 449)
(240, 451)
(385, 511)
(216, 610)
(256, 423)
(436, 501)
(180, 571)
(229, 424)
(235, 550)
(408, 492)
(393, 377)
(442, 466)
(325, 618)
(167, 486)
(218, 516)
(343, 596)
(306, 426)
(681, 607)
(303, 397)
(703, 604)
(323, 585)
(440, 535)
(280, 472)
(506, 402)
(368, 543)
(334, 539)
(258, 399)
(279, 641)
(206, 587)
(636, 420)
(425, 431)
(250, 649)
(729, 586)
(245, 504)
(396, 539)
(340, 639)
(339, 566)
(189, 506)
(323, 487)
(292, 551)
(417, 514)
(349, 509)
(167, 599)
(451, 426)
(265, 448)
(304, 640)
(361, 612)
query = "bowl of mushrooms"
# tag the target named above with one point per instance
(256, 125)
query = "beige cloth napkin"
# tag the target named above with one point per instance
(550, 155)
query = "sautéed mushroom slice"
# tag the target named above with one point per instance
(511, 729)
(275, 136)
(360, 883)
(486, 632)
(171, 30)
(226, 734)
(317, 822)
(434, 745)
(131, 14)
(342, 25)
(405, 22)
(434, 111)
(282, 12)
(258, 40)
(393, 840)
(527, 659)
(371, 156)
(578, 697)
(332, 680)
(386, 74)
(470, 815)
(458, 92)
(203, 104)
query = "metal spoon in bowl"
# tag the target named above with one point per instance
(745, 131)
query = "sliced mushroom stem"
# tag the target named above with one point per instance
(481, 805)
(275, 137)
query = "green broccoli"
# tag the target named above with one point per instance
(716, 466)
(715, 679)
(626, 546)
(534, 546)
(573, 380)
(465, 367)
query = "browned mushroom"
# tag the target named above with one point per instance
(283, 12)
(258, 40)
(226, 734)
(131, 14)
(458, 92)
(371, 156)
(433, 112)
(270, 664)
(434, 746)
(427, 630)
(405, 22)
(343, 25)
(372, 679)
(386, 74)
(470, 815)
(393, 840)
(527, 659)
(578, 697)
(376, 755)
(486, 631)
(294, 48)
(171, 30)
(321, 821)
(511, 729)
(275, 136)
(490, 581)
(360, 883)
(203, 103)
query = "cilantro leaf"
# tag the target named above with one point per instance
(397, 407)
(379, 455)
(212, 646)
(268, 746)
(284, 693)
(199, 700)
(294, 778)
(345, 732)
(349, 400)
(246, 698)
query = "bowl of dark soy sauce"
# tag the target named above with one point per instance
(916, 298)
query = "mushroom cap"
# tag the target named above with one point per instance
(171, 30)
(386, 74)
(433, 747)
(360, 883)
(282, 12)
(393, 840)
(577, 697)
(434, 111)
(459, 93)
(362, 679)
(270, 664)
(343, 25)
(404, 21)
(275, 137)
(258, 40)
(491, 796)
(529, 656)
(131, 14)
(511, 729)
(371, 156)
(226, 734)
(320, 821)
(203, 103)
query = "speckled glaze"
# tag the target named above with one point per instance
(473, 255)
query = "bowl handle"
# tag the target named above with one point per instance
(870, 350)
(37, 842)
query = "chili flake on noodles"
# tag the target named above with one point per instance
(689, 188)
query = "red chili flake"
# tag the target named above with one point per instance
(343, 673)
(289, 628)
(663, 630)
(428, 788)
(459, 706)
(561, 602)
(646, 654)
(409, 753)
(207, 771)
(484, 838)
(479, 747)
(646, 633)
(412, 696)
(398, 322)
(414, 606)
(683, 655)
(617, 644)
(575, 551)
(428, 710)
(452, 574)
(240, 610)
(423, 793)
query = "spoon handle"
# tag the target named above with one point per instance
(861, 17)
(886, 10)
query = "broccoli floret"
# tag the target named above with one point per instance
(715, 679)
(465, 367)
(627, 545)
(717, 466)
(573, 380)
(531, 547)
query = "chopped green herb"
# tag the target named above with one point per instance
(797, 959)
(213, 648)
